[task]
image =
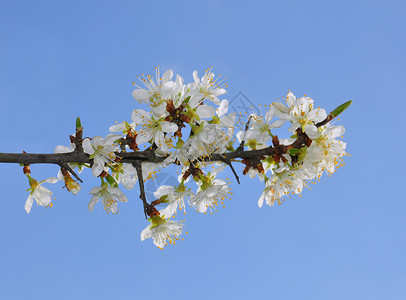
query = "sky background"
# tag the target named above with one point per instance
(344, 239)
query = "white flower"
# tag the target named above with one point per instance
(261, 127)
(176, 91)
(109, 195)
(303, 115)
(175, 196)
(206, 88)
(152, 129)
(210, 191)
(162, 229)
(38, 193)
(209, 197)
(101, 150)
(312, 157)
(70, 184)
(125, 174)
(283, 181)
(269, 195)
(333, 149)
(153, 93)
(123, 127)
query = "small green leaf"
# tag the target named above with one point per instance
(78, 123)
(294, 151)
(110, 179)
(179, 143)
(340, 109)
(164, 199)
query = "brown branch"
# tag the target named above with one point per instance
(148, 155)
(149, 210)
(241, 146)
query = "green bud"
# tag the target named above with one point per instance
(340, 109)
(78, 123)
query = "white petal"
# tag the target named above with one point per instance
(160, 140)
(167, 76)
(228, 120)
(317, 115)
(280, 108)
(144, 137)
(312, 132)
(117, 127)
(163, 190)
(169, 127)
(111, 138)
(141, 95)
(51, 180)
(291, 99)
(334, 131)
(277, 124)
(270, 114)
(140, 116)
(261, 199)
(195, 77)
(159, 109)
(28, 203)
(146, 233)
(98, 166)
(168, 89)
(169, 210)
(93, 202)
(87, 146)
(205, 111)
(95, 190)
(97, 141)
(62, 149)
(222, 109)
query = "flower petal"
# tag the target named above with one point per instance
(140, 116)
(223, 108)
(87, 146)
(205, 111)
(141, 95)
(169, 127)
(28, 203)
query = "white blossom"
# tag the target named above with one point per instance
(161, 230)
(109, 196)
(101, 150)
(39, 193)
(205, 88)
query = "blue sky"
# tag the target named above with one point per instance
(344, 239)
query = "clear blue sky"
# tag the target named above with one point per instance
(345, 239)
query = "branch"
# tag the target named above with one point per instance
(149, 210)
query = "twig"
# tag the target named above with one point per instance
(138, 167)
(241, 146)
(228, 162)
(68, 168)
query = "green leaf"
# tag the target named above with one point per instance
(179, 143)
(164, 199)
(294, 151)
(78, 123)
(340, 109)
(110, 179)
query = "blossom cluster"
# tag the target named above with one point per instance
(188, 125)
